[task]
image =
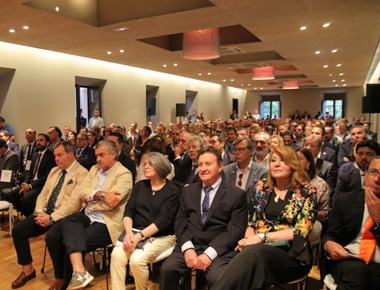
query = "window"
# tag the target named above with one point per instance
(334, 104)
(270, 106)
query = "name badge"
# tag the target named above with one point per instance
(27, 165)
(6, 176)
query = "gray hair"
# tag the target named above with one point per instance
(110, 146)
(265, 135)
(202, 142)
(160, 163)
(315, 137)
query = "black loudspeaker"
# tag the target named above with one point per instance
(180, 110)
(152, 107)
(373, 98)
(365, 106)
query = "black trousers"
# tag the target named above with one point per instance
(74, 233)
(21, 233)
(175, 267)
(259, 266)
(355, 274)
(25, 202)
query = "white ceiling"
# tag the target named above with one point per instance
(86, 28)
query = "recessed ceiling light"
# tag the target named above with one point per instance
(120, 29)
(199, 74)
(343, 80)
(326, 25)
(325, 66)
(249, 85)
(121, 50)
(242, 85)
(255, 88)
(224, 81)
(261, 88)
(334, 50)
(109, 52)
(175, 64)
(57, 9)
(26, 27)
(303, 27)
(12, 30)
(334, 81)
(336, 85)
(341, 74)
(165, 65)
(209, 74)
(192, 86)
(232, 80)
(330, 75)
(339, 64)
(344, 85)
(317, 52)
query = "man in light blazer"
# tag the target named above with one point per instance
(48, 207)
(105, 191)
(245, 172)
(211, 219)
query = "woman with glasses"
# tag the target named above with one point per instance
(148, 223)
(275, 248)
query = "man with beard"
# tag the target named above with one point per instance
(358, 134)
(24, 197)
(262, 143)
(365, 151)
(218, 141)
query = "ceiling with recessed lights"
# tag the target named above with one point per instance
(320, 43)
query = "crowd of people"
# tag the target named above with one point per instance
(190, 188)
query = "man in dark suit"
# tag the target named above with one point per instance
(55, 136)
(27, 151)
(371, 135)
(24, 197)
(11, 145)
(366, 151)
(211, 219)
(218, 141)
(358, 133)
(329, 139)
(325, 169)
(352, 238)
(8, 161)
(328, 151)
(84, 154)
(123, 158)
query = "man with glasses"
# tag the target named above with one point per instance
(352, 238)
(84, 154)
(176, 131)
(244, 173)
(218, 141)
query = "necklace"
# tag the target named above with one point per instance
(158, 187)
(280, 192)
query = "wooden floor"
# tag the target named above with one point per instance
(9, 269)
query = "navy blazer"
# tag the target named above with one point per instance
(347, 182)
(87, 157)
(345, 150)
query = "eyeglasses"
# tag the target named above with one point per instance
(373, 172)
(176, 134)
(240, 150)
(147, 164)
(80, 139)
(240, 181)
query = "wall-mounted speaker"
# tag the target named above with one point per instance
(180, 110)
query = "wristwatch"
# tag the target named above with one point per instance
(102, 196)
(142, 235)
(51, 220)
(262, 237)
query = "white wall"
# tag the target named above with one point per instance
(42, 91)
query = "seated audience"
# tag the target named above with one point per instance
(358, 133)
(55, 136)
(58, 189)
(85, 154)
(27, 151)
(11, 145)
(148, 223)
(72, 137)
(91, 139)
(206, 234)
(284, 212)
(218, 141)
(353, 235)
(262, 145)
(275, 140)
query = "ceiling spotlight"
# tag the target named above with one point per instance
(330, 75)
(26, 27)
(341, 74)
(175, 64)
(12, 30)
(199, 74)
(165, 65)
(317, 52)
(343, 80)
(120, 29)
(303, 27)
(121, 50)
(109, 52)
(334, 81)
(57, 9)
(326, 25)
(344, 85)
(242, 85)
(209, 74)
(334, 50)
(325, 66)
(249, 85)
(255, 88)
(339, 64)
(336, 85)
(232, 80)
(224, 81)
(261, 88)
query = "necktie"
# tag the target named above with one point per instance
(192, 174)
(35, 170)
(29, 155)
(53, 198)
(368, 242)
(206, 203)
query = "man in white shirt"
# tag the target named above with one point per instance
(96, 120)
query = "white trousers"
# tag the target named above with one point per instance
(138, 261)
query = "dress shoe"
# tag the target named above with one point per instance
(22, 279)
(57, 286)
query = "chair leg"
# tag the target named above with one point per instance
(11, 219)
(105, 257)
(43, 264)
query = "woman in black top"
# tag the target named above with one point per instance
(148, 223)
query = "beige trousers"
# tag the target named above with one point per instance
(138, 261)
